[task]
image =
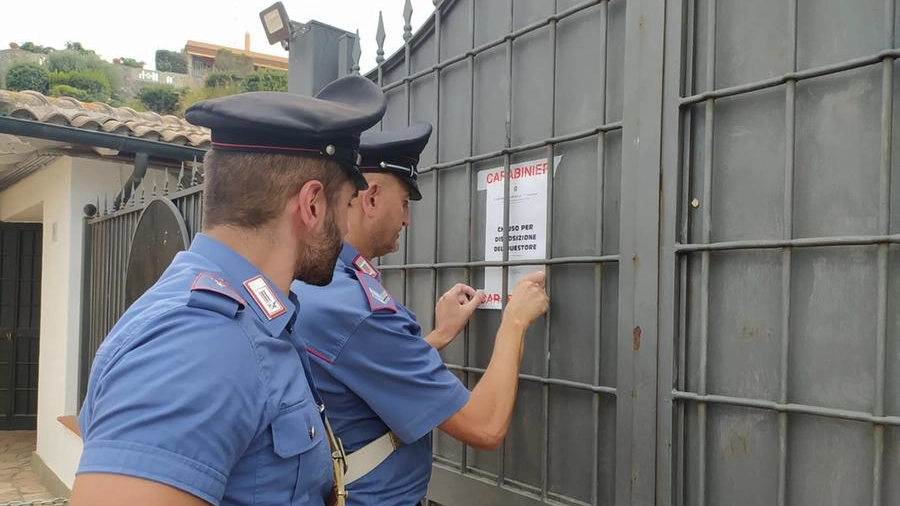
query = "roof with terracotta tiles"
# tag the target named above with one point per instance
(21, 156)
(102, 117)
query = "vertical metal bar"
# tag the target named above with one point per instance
(545, 387)
(598, 310)
(706, 206)
(884, 221)
(676, 127)
(13, 336)
(786, 256)
(87, 297)
(689, 27)
(435, 174)
(470, 222)
(407, 54)
(506, 163)
(599, 246)
(637, 358)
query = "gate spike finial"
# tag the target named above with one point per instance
(143, 194)
(379, 38)
(180, 185)
(357, 53)
(407, 18)
(193, 173)
(165, 191)
(155, 186)
(105, 204)
(134, 188)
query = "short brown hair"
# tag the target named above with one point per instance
(248, 190)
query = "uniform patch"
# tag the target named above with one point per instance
(378, 297)
(362, 263)
(210, 282)
(265, 297)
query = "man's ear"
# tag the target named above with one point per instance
(310, 203)
(368, 197)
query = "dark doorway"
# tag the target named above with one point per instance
(20, 316)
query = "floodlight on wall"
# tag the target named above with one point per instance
(277, 24)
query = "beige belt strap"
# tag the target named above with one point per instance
(367, 458)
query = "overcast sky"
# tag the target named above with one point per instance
(137, 29)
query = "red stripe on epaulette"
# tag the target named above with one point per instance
(387, 302)
(217, 285)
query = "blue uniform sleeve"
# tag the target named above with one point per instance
(177, 402)
(399, 375)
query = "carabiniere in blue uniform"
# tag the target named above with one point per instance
(199, 386)
(382, 382)
(376, 374)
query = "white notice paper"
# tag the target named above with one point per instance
(527, 222)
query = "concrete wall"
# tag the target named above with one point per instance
(55, 196)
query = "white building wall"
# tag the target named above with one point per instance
(55, 196)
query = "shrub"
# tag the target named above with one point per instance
(28, 76)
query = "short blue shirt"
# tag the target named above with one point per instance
(376, 374)
(199, 387)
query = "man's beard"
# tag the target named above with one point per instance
(315, 265)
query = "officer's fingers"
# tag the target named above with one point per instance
(468, 290)
(472, 304)
(535, 277)
(465, 293)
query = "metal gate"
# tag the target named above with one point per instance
(109, 237)
(20, 317)
(720, 244)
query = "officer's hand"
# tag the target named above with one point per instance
(454, 309)
(529, 299)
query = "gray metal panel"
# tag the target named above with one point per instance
(423, 107)
(891, 465)
(453, 237)
(578, 104)
(832, 346)
(396, 115)
(455, 23)
(530, 83)
(838, 182)
(526, 12)
(830, 462)
(745, 31)
(615, 60)
(522, 453)
(831, 31)
(491, 84)
(455, 120)
(748, 161)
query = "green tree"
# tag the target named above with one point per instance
(31, 47)
(27, 76)
(94, 83)
(62, 90)
(239, 64)
(265, 80)
(171, 61)
(163, 98)
(221, 79)
(77, 59)
(78, 48)
(131, 62)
